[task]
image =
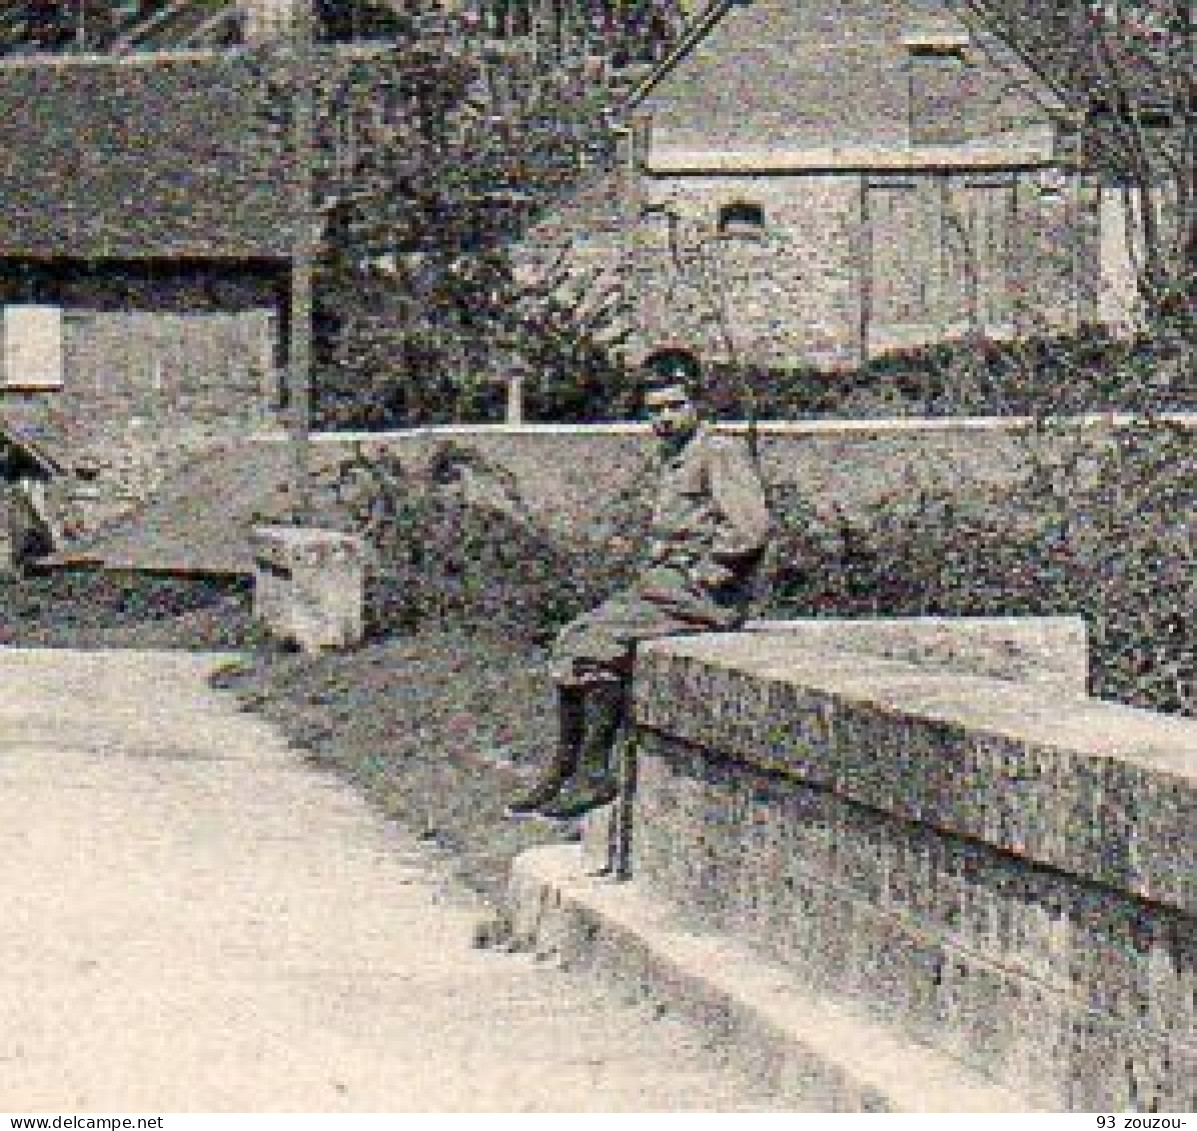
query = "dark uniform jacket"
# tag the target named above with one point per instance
(709, 527)
(710, 522)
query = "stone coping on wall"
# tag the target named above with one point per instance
(1094, 789)
(764, 427)
(1050, 652)
(1026, 148)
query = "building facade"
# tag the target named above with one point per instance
(145, 249)
(821, 183)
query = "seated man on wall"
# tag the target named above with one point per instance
(709, 528)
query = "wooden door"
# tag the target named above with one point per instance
(979, 217)
(940, 259)
(901, 288)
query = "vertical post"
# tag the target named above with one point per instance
(299, 354)
(634, 143)
(864, 268)
(515, 397)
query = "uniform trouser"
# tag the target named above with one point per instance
(600, 646)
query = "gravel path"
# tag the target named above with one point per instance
(194, 920)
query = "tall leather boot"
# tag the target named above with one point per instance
(594, 783)
(571, 723)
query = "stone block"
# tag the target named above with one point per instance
(764, 1016)
(1046, 652)
(309, 586)
(1092, 788)
(996, 868)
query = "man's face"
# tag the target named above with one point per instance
(671, 413)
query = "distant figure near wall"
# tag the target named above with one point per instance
(709, 528)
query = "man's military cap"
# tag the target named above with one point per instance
(672, 364)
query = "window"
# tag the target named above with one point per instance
(741, 219)
(32, 357)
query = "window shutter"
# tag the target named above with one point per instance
(33, 353)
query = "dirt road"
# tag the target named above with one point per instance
(194, 920)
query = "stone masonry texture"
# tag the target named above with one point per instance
(160, 363)
(1004, 874)
(791, 294)
(574, 475)
(580, 479)
(308, 586)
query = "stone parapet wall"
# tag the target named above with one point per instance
(568, 475)
(1003, 871)
(587, 480)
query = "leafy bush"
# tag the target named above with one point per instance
(94, 608)
(1086, 372)
(442, 558)
(575, 379)
(446, 561)
(1109, 539)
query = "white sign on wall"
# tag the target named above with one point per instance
(32, 346)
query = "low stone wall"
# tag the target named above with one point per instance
(582, 479)
(567, 475)
(991, 865)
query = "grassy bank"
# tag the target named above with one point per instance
(436, 729)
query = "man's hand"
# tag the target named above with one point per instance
(664, 552)
(707, 574)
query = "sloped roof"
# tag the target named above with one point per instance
(699, 28)
(1003, 53)
(790, 84)
(138, 158)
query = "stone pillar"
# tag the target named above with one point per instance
(309, 586)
